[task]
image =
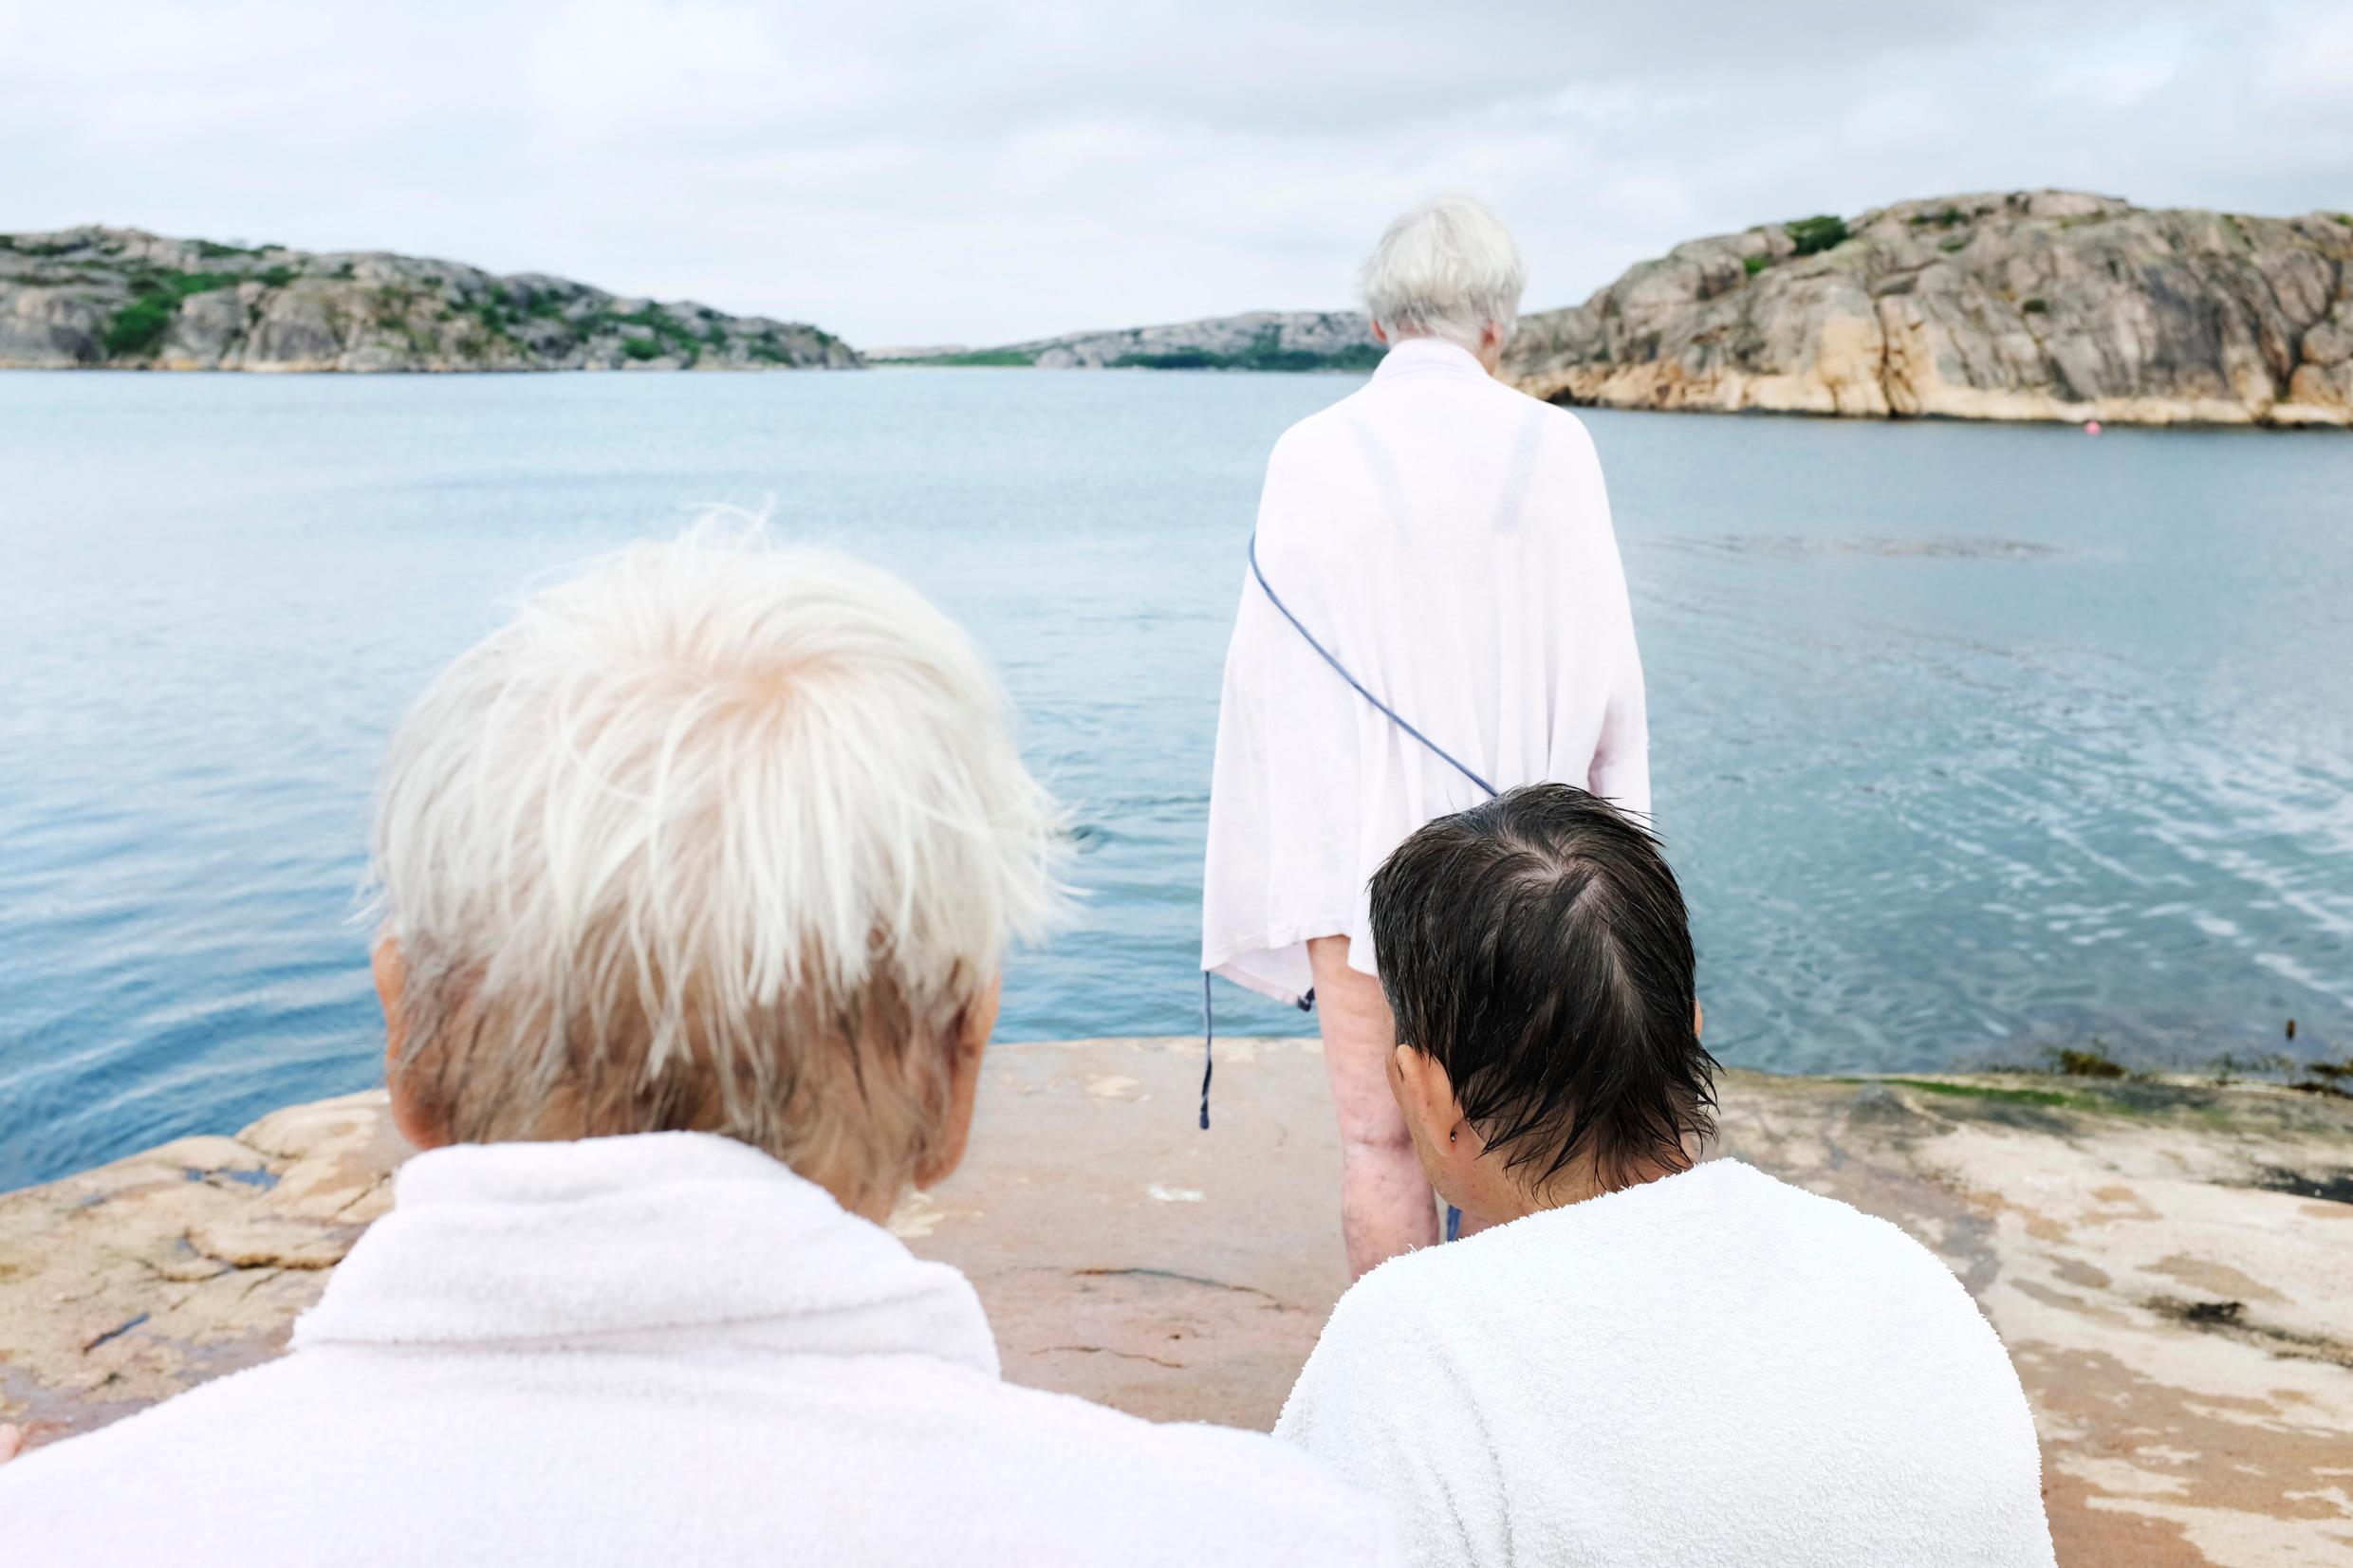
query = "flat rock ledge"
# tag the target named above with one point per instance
(2170, 1263)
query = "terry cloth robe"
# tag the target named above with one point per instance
(1714, 1368)
(1448, 539)
(661, 1349)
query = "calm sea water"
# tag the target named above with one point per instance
(1968, 742)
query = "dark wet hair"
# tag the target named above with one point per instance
(1537, 947)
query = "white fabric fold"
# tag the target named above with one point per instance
(494, 1243)
(657, 1349)
(1714, 1367)
(1449, 540)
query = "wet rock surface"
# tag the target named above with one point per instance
(127, 300)
(2165, 1260)
(2030, 305)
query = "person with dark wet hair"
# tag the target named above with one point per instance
(1650, 1355)
(1546, 916)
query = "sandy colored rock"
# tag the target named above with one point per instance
(129, 1282)
(2170, 1263)
(2028, 304)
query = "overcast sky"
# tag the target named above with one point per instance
(977, 173)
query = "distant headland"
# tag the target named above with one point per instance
(2020, 306)
(2025, 306)
(2035, 304)
(124, 298)
(1258, 340)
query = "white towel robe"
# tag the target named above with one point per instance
(1449, 540)
(662, 1349)
(1714, 1367)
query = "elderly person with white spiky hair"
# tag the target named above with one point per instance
(1434, 611)
(696, 880)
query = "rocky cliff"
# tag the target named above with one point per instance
(127, 300)
(2040, 305)
(1258, 340)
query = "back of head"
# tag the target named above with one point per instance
(1448, 269)
(716, 836)
(1537, 947)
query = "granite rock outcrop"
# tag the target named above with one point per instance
(124, 298)
(2028, 305)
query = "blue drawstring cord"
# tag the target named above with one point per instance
(1209, 1041)
(1208, 1048)
(1395, 717)
(1209, 1065)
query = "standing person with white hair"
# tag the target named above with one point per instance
(696, 880)
(1441, 544)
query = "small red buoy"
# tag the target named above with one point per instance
(2092, 426)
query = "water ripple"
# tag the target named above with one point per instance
(1998, 742)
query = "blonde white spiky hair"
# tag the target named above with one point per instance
(715, 834)
(1447, 269)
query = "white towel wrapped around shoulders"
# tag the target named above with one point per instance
(1714, 1368)
(658, 1349)
(1448, 539)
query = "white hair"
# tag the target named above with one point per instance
(1447, 269)
(715, 834)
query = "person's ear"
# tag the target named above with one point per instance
(1490, 348)
(412, 1110)
(1426, 1094)
(1699, 1018)
(956, 1130)
(1379, 336)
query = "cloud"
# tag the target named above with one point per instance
(988, 172)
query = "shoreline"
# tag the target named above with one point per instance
(2073, 417)
(2169, 1261)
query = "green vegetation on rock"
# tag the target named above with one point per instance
(34, 244)
(670, 336)
(1817, 234)
(2085, 1061)
(139, 328)
(765, 348)
(1266, 352)
(983, 358)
